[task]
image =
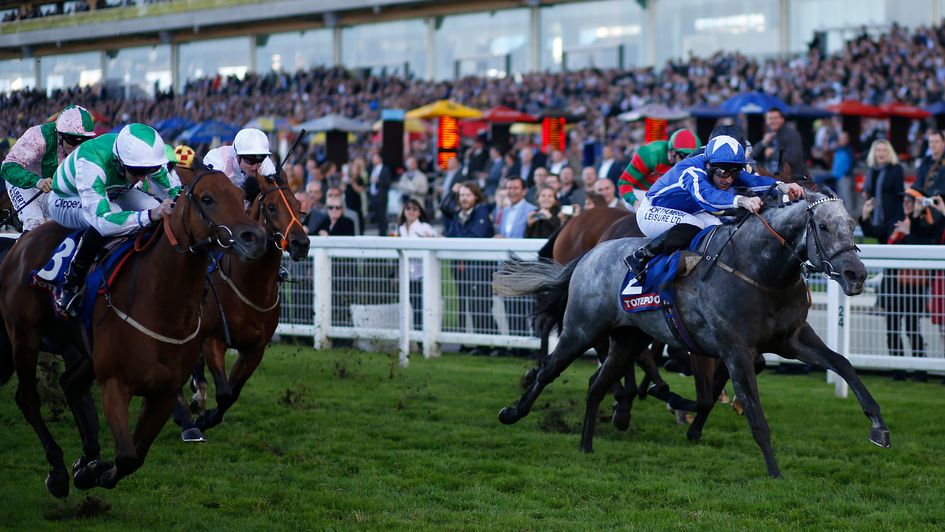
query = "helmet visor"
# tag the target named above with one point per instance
(143, 171)
(73, 140)
(253, 159)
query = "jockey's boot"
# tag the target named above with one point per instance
(88, 246)
(677, 237)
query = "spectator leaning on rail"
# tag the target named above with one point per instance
(108, 187)
(244, 160)
(780, 145)
(652, 160)
(684, 200)
(29, 167)
(414, 223)
(884, 189)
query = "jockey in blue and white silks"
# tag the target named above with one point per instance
(686, 199)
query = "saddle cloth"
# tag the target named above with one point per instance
(101, 274)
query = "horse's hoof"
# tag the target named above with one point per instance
(192, 434)
(86, 474)
(694, 436)
(880, 437)
(621, 419)
(57, 483)
(508, 415)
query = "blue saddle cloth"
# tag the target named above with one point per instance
(51, 277)
(661, 271)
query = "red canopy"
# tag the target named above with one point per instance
(855, 108)
(506, 115)
(472, 127)
(905, 111)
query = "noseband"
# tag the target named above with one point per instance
(821, 264)
(215, 228)
(279, 238)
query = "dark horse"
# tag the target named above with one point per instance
(242, 310)
(749, 301)
(145, 328)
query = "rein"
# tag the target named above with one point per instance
(148, 332)
(243, 298)
(276, 234)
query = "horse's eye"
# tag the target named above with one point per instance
(271, 207)
(822, 226)
(207, 200)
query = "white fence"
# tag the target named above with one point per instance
(435, 291)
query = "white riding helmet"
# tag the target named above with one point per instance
(76, 120)
(140, 146)
(251, 141)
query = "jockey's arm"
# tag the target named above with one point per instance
(705, 193)
(28, 151)
(102, 214)
(634, 176)
(162, 185)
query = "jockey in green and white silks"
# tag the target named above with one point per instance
(112, 185)
(28, 168)
(98, 184)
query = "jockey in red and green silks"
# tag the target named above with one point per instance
(29, 167)
(652, 160)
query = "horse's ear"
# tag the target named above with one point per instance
(787, 173)
(762, 171)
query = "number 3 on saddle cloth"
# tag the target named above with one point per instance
(101, 274)
(657, 291)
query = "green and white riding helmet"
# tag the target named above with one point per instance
(75, 124)
(140, 149)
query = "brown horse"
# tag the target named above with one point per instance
(243, 309)
(144, 346)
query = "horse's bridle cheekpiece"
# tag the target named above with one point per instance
(822, 265)
(214, 227)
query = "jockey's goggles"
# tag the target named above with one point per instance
(730, 172)
(143, 171)
(73, 140)
(253, 159)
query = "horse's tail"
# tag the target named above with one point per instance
(520, 278)
(551, 302)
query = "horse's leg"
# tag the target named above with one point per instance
(116, 398)
(710, 376)
(574, 341)
(198, 384)
(181, 415)
(741, 368)
(623, 394)
(214, 352)
(625, 345)
(243, 368)
(155, 410)
(809, 348)
(76, 382)
(660, 389)
(26, 353)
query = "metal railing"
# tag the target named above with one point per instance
(436, 290)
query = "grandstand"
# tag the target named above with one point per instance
(142, 46)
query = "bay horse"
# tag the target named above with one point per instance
(750, 299)
(243, 307)
(144, 334)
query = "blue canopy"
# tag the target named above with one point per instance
(707, 111)
(752, 103)
(206, 132)
(937, 108)
(169, 128)
(808, 111)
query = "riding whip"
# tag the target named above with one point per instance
(9, 217)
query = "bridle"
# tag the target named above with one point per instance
(279, 238)
(215, 229)
(815, 248)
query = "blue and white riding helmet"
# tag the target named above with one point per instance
(725, 151)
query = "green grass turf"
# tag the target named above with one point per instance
(348, 440)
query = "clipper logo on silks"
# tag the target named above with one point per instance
(632, 298)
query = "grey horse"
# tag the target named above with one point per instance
(750, 300)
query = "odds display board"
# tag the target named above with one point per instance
(447, 141)
(552, 133)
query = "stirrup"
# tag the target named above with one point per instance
(66, 303)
